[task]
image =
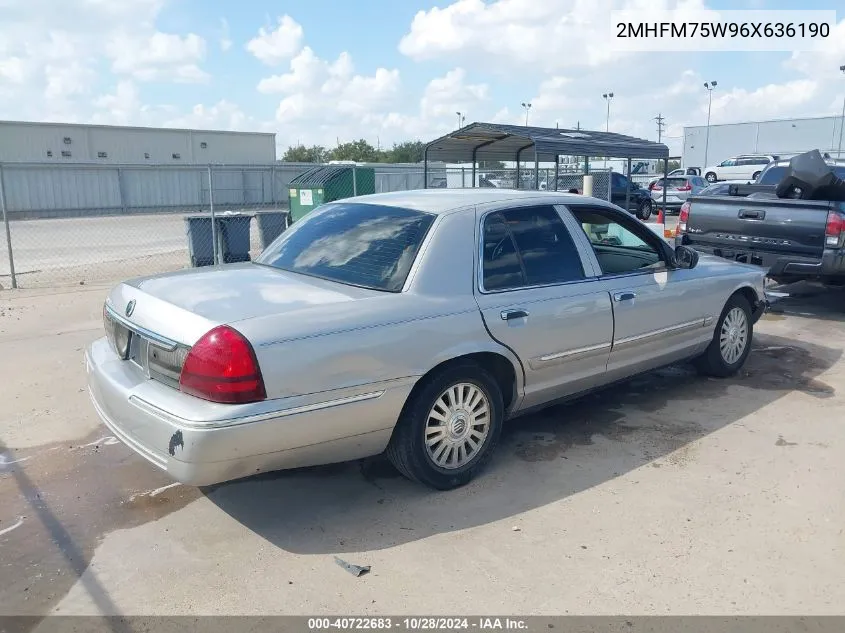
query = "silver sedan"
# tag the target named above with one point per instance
(410, 323)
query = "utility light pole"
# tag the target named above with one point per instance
(661, 123)
(709, 85)
(527, 106)
(842, 121)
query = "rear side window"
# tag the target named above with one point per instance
(365, 245)
(528, 246)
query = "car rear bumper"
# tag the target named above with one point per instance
(294, 432)
(830, 264)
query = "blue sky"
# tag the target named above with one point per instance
(324, 70)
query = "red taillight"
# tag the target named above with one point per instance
(686, 187)
(654, 187)
(683, 217)
(835, 229)
(222, 367)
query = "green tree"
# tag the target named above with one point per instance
(359, 151)
(302, 154)
(407, 152)
(674, 164)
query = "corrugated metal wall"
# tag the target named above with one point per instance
(37, 190)
(783, 137)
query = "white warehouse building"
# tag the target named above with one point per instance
(784, 138)
(62, 143)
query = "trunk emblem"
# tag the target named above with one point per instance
(130, 308)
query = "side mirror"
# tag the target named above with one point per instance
(685, 257)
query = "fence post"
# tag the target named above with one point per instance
(273, 184)
(213, 219)
(120, 190)
(8, 232)
(463, 177)
(354, 180)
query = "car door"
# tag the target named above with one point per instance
(727, 169)
(539, 296)
(660, 314)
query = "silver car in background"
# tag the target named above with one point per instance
(678, 189)
(412, 323)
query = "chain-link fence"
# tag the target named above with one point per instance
(85, 223)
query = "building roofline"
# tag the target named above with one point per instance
(835, 117)
(132, 127)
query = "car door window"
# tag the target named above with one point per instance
(621, 247)
(528, 246)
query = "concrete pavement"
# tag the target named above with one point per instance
(671, 494)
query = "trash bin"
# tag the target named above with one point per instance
(233, 232)
(232, 238)
(198, 232)
(328, 183)
(271, 224)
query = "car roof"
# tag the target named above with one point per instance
(442, 201)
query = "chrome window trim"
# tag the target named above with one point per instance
(586, 265)
(584, 240)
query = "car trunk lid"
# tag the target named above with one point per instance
(159, 318)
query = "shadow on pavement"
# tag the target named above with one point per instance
(542, 458)
(807, 300)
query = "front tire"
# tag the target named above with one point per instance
(731, 342)
(710, 177)
(645, 210)
(449, 427)
(755, 176)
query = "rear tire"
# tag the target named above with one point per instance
(731, 342)
(710, 177)
(449, 427)
(755, 176)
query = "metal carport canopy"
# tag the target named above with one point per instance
(492, 141)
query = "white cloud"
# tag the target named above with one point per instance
(770, 101)
(225, 38)
(315, 88)
(526, 35)
(159, 56)
(120, 107)
(444, 96)
(276, 46)
(223, 115)
(55, 53)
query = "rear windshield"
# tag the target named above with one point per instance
(674, 183)
(365, 245)
(773, 175)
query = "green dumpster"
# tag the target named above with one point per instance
(328, 183)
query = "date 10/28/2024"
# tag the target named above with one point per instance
(417, 623)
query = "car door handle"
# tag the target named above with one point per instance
(625, 296)
(508, 315)
(748, 214)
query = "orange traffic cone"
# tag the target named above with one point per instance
(660, 218)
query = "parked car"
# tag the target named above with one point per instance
(792, 240)
(720, 188)
(412, 322)
(684, 171)
(678, 188)
(640, 202)
(744, 166)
